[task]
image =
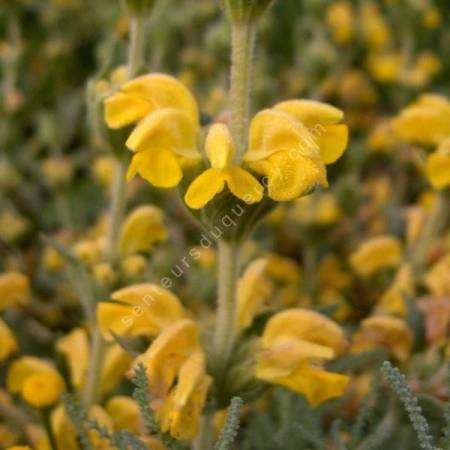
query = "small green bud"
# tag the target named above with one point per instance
(244, 10)
(139, 7)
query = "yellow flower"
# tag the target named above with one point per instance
(386, 66)
(283, 270)
(438, 166)
(13, 226)
(14, 289)
(141, 309)
(294, 345)
(75, 348)
(139, 97)
(63, 429)
(382, 137)
(124, 413)
(375, 29)
(143, 228)
(426, 65)
(104, 274)
(65, 433)
(291, 143)
(175, 356)
(253, 291)
(134, 266)
(426, 121)
(220, 150)
(52, 260)
(340, 19)
(437, 279)
(432, 18)
(103, 169)
(393, 300)
(89, 251)
(165, 139)
(384, 331)
(37, 381)
(57, 171)
(331, 274)
(375, 254)
(183, 407)
(8, 340)
(43, 389)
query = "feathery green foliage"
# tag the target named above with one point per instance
(231, 427)
(142, 396)
(399, 384)
(78, 416)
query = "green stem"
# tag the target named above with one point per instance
(205, 438)
(225, 331)
(117, 210)
(242, 48)
(49, 429)
(92, 388)
(136, 59)
(436, 221)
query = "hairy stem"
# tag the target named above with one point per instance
(136, 50)
(117, 210)
(225, 331)
(242, 48)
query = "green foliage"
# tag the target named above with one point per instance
(399, 384)
(79, 418)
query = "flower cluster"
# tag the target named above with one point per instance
(289, 144)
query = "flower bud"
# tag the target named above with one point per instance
(244, 10)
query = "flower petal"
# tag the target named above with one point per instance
(204, 188)
(158, 166)
(243, 185)
(155, 305)
(438, 170)
(23, 368)
(165, 128)
(274, 131)
(332, 142)
(311, 112)
(253, 290)
(290, 175)
(316, 385)
(164, 91)
(303, 324)
(143, 228)
(8, 341)
(75, 348)
(219, 146)
(166, 355)
(124, 109)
